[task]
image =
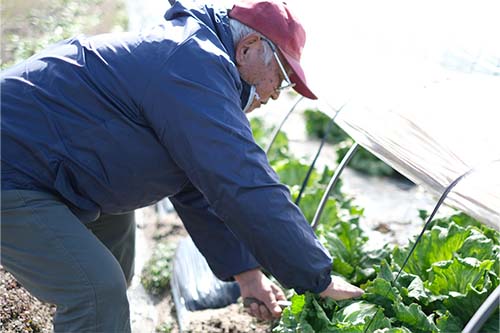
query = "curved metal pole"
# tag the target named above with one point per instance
(277, 130)
(483, 313)
(332, 183)
(311, 167)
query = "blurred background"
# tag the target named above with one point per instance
(30, 25)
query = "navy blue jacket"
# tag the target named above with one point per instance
(116, 122)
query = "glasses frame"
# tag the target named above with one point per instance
(289, 83)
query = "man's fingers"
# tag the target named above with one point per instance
(254, 310)
(346, 288)
(340, 289)
(259, 311)
(256, 307)
(278, 293)
(275, 309)
(272, 305)
(264, 313)
(258, 291)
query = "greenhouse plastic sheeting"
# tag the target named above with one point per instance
(436, 134)
(418, 84)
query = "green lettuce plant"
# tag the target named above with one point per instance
(448, 276)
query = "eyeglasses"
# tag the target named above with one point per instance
(287, 83)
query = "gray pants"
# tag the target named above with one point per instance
(83, 269)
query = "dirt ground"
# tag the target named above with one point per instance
(19, 311)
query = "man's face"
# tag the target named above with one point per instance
(266, 78)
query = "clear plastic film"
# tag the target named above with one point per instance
(418, 84)
(435, 135)
(194, 286)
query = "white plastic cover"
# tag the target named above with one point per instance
(420, 86)
(435, 134)
(194, 286)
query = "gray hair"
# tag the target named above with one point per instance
(240, 31)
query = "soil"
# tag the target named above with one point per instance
(231, 319)
(19, 311)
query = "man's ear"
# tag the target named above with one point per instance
(244, 46)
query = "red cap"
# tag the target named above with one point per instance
(274, 20)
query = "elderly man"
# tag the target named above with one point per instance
(96, 127)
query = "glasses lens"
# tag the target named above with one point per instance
(286, 83)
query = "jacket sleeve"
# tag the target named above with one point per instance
(193, 106)
(225, 254)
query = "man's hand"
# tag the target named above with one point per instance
(254, 283)
(340, 289)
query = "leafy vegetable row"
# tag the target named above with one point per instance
(451, 273)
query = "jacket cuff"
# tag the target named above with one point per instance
(234, 266)
(321, 283)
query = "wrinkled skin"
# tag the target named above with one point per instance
(265, 77)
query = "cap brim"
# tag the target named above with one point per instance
(298, 77)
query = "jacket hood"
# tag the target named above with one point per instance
(213, 16)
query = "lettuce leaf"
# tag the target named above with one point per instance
(355, 313)
(465, 221)
(446, 322)
(262, 135)
(414, 318)
(309, 204)
(293, 171)
(393, 330)
(436, 245)
(381, 292)
(459, 275)
(465, 283)
(358, 315)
